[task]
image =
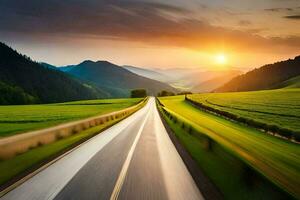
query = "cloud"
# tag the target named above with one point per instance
(278, 9)
(151, 23)
(244, 23)
(294, 17)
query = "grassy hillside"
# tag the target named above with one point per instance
(22, 118)
(266, 77)
(114, 79)
(273, 107)
(36, 83)
(291, 83)
(276, 159)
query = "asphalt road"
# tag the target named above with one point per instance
(134, 159)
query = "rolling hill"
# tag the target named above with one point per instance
(23, 81)
(114, 79)
(290, 83)
(265, 77)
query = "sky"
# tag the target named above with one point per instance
(154, 34)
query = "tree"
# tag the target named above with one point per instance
(184, 93)
(165, 93)
(138, 93)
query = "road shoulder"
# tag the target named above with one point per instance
(207, 188)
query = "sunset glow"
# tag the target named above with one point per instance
(164, 34)
(221, 59)
(187, 94)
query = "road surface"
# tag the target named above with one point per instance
(134, 159)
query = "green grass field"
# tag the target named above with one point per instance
(227, 172)
(31, 159)
(275, 158)
(273, 107)
(19, 119)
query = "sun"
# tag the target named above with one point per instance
(221, 59)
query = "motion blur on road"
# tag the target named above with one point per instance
(134, 159)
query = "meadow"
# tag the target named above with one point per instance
(272, 107)
(276, 159)
(23, 118)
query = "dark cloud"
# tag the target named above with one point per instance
(127, 20)
(78, 16)
(295, 17)
(278, 9)
(160, 6)
(244, 23)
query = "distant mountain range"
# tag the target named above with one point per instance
(24, 81)
(185, 79)
(148, 73)
(113, 79)
(211, 84)
(277, 75)
(195, 80)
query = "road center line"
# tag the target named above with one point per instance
(122, 175)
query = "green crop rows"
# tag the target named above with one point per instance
(19, 119)
(276, 159)
(273, 107)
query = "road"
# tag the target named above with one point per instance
(134, 159)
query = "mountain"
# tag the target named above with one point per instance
(114, 79)
(191, 79)
(147, 73)
(265, 77)
(183, 78)
(211, 84)
(24, 81)
(48, 66)
(66, 68)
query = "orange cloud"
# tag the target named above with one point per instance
(150, 23)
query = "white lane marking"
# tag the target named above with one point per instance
(121, 178)
(49, 182)
(179, 182)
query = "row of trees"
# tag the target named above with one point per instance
(165, 93)
(139, 93)
(14, 95)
